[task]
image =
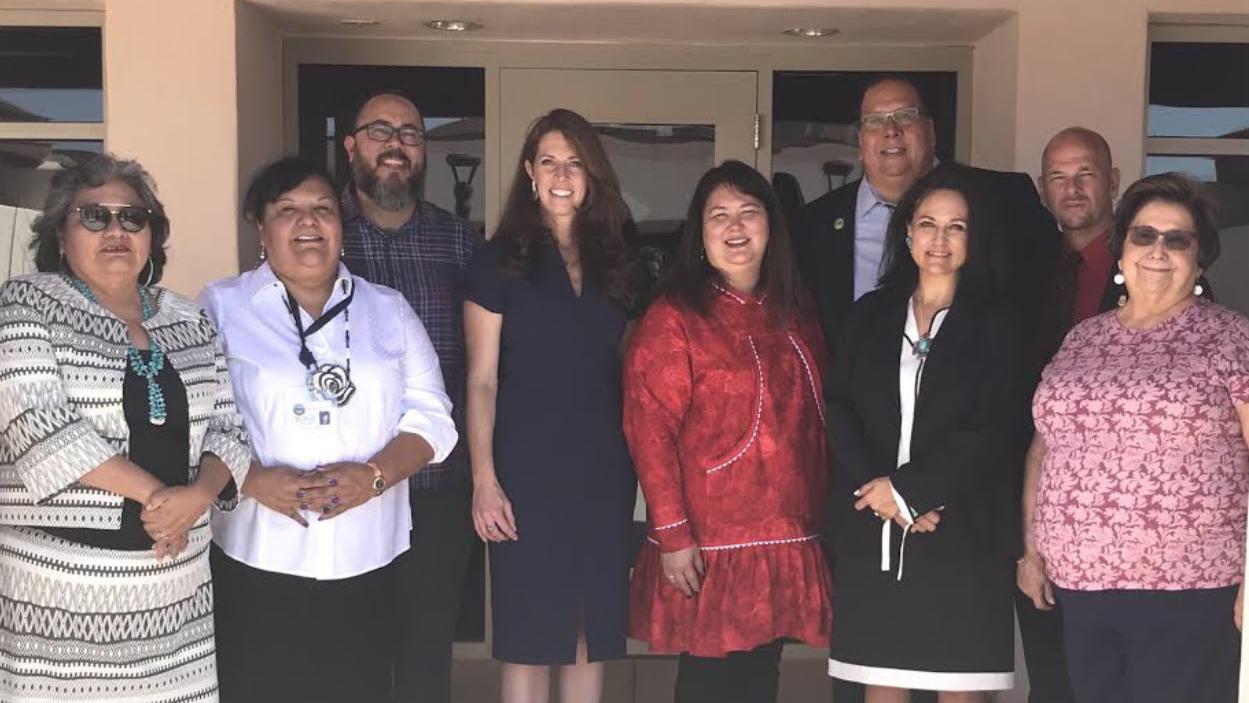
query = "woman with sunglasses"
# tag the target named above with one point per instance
(1134, 509)
(118, 433)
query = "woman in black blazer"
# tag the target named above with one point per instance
(926, 404)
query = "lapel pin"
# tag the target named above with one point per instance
(839, 224)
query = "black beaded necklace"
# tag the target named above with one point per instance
(328, 381)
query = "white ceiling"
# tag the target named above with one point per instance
(657, 22)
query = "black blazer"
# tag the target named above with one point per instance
(1024, 235)
(968, 437)
(826, 254)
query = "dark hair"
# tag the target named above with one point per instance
(606, 259)
(93, 173)
(280, 177)
(882, 78)
(1178, 189)
(395, 92)
(689, 273)
(900, 273)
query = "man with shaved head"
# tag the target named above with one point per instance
(1079, 185)
(394, 238)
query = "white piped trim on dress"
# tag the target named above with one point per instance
(754, 432)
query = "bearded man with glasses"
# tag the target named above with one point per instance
(840, 241)
(394, 238)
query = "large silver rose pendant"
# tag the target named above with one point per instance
(331, 382)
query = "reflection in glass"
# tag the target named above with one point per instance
(51, 74)
(1199, 90)
(26, 170)
(658, 166)
(1228, 180)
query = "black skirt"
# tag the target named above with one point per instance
(946, 625)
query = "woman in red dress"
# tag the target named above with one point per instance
(725, 423)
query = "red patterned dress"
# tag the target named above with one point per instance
(725, 420)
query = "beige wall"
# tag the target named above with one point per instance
(259, 56)
(170, 102)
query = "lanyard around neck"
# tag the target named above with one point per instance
(305, 355)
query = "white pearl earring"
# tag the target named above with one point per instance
(1119, 279)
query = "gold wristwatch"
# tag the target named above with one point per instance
(379, 480)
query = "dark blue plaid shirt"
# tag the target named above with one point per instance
(425, 260)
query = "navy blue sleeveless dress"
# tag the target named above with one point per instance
(560, 456)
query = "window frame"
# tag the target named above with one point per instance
(55, 131)
(1191, 146)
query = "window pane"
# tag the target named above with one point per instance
(656, 165)
(815, 124)
(26, 169)
(51, 74)
(1199, 90)
(452, 101)
(1228, 179)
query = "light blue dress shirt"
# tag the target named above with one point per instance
(871, 221)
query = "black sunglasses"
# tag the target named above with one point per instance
(1175, 239)
(97, 217)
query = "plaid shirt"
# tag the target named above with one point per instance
(425, 260)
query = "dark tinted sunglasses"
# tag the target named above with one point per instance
(97, 217)
(1175, 239)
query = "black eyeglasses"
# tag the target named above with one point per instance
(97, 217)
(902, 117)
(1175, 239)
(379, 131)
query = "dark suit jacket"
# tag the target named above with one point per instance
(826, 254)
(967, 441)
(1025, 243)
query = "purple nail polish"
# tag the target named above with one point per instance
(299, 494)
(334, 500)
(333, 482)
(303, 506)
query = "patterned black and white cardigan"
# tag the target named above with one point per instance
(62, 363)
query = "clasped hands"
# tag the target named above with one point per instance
(877, 495)
(170, 513)
(329, 490)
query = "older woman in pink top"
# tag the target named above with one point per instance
(1138, 478)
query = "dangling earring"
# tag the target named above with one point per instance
(342, 251)
(1198, 290)
(151, 271)
(1119, 279)
(262, 253)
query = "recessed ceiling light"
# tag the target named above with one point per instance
(358, 22)
(812, 32)
(453, 25)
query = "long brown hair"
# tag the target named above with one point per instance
(779, 281)
(598, 228)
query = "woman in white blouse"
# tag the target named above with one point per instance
(340, 389)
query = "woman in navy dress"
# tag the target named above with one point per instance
(553, 486)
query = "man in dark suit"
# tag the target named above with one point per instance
(841, 237)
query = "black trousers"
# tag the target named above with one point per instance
(741, 677)
(1042, 635)
(288, 638)
(429, 579)
(1151, 646)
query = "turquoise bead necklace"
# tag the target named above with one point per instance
(147, 369)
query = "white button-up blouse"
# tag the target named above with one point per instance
(398, 389)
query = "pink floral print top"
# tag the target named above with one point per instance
(1146, 472)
